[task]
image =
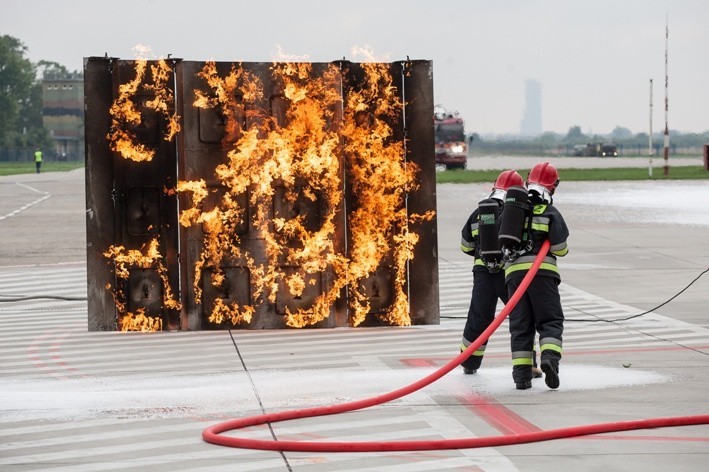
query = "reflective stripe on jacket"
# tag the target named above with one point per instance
(546, 223)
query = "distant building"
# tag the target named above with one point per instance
(63, 114)
(531, 124)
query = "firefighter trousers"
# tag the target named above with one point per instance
(538, 310)
(487, 289)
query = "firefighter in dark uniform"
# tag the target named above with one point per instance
(539, 309)
(488, 278)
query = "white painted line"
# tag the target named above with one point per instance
(45, 195)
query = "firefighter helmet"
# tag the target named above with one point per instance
(544, 174)
(507, 179)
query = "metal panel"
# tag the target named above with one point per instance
(420, 149)
(210, 134)
(143, 211)
(410, 124)
(144, 291)
(379, 288)
(228, 287)
(285, 301)
(100, 231)
(234, 232)
(134, 194)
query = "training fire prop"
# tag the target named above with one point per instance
(259, 195)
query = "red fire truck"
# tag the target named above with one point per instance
(451, 150)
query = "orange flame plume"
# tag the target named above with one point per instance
(301, 154)
(148, 257)
(125, 114)
(297, 154)
(380, 177)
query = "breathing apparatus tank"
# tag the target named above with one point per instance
(489, 243)
(514, 224)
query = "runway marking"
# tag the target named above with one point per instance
(45, 195)
(498, 416)
(56, 366)
(508, 422)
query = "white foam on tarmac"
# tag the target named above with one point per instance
(574, 377)
(195, 395)
(667, 202)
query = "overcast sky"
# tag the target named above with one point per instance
(594, 58)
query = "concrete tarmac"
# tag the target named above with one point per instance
(489, 161)
(73, 400)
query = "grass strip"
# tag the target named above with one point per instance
(569, 175)
(13, 168)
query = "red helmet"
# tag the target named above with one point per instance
(545, 175)
(507, 179)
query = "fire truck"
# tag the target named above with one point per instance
(449, 132)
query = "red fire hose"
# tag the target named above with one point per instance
(213, 435)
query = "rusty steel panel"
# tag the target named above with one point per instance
(131, 195)
(293, 192)
(210, 134)
(144, 290)
(234, 287)
(423, 267)
(100, 232)
(377, 290)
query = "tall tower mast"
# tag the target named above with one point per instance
(649, 137)
(667, 130)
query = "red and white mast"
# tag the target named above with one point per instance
(667, 130)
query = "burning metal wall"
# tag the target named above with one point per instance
(259, 195)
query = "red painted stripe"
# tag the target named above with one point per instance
(33, 354)
(507, 421)
(497, 415)
(56, 355)
(430, 362)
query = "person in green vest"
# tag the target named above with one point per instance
(38, 159)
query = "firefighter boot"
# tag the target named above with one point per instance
(550, 367)
(522, 375)
(471, 364)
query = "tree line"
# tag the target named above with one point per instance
(21, 126)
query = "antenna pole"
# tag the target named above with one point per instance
(649, 137)
(667, 106)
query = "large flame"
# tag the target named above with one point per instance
(138, 321)
(299, 156)
(380, 178)
(302, 154)
(147, 257)
(126, 115)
